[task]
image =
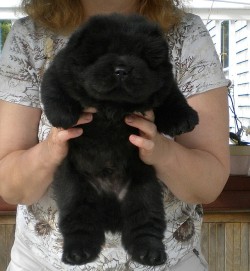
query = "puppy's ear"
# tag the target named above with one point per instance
(95, 28)
(87, 43)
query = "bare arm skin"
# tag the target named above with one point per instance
(26, 166)
(195, 167)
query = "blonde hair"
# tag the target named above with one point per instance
(63, 16)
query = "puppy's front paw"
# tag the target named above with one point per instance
(183, 122)
(148, 251)
(64, 115)
(81, 249)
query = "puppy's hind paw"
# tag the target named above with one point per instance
(81, 248)
(76, 257)
(149, 253)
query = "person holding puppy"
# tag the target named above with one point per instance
(31, 149)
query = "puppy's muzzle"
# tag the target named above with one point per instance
(121, 72)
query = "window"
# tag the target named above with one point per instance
(225, 44)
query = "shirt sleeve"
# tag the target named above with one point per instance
(200, 68)
(18, 77)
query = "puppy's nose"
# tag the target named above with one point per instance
(121, 71)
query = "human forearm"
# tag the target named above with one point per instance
(27, 167)
(196, 166)
(25, 175)
(192, 175)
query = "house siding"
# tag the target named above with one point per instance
(239, 67)
(242, 59)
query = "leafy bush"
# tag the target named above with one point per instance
(5, 28)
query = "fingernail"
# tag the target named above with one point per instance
(88, 116)
(129, 118)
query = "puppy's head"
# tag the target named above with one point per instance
(117, 58)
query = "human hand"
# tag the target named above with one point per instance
(149, 141)
(57, 141)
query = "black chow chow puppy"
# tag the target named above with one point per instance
(119, 65)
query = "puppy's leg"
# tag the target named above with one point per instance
(143, 218)
(175, 116)
(80, 219)
(60, 109)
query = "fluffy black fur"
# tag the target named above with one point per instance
(118, 65)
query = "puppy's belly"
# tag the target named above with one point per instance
(106, 168)
(110, 185)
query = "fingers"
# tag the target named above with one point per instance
(84, 118)
(61, 135)
(57, 141)
(66, 134)
(142, 143)
(90, 110)
(87, 116)
(149, 115)
(148, 131)
(145, 125)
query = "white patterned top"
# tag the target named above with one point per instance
(27, 53)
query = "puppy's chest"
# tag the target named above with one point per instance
(103, 155)
(104, 134)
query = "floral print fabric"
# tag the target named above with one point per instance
(27, 53)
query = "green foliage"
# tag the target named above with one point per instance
(5, 28)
